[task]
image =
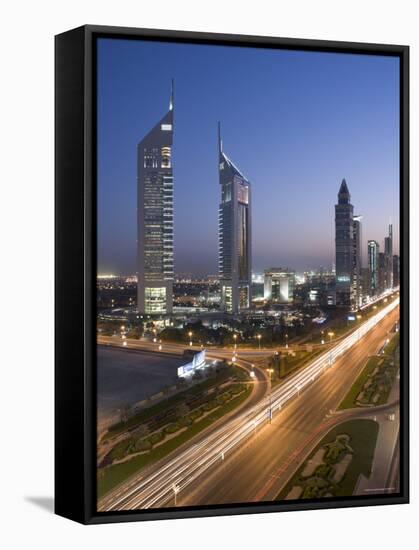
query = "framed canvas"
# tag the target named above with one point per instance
(231, 274)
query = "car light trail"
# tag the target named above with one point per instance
(156, 489)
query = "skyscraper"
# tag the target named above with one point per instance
(388, 251)
(396, 270)
(155, 217)
(344, 230)
(234, 229)
(373, 252)
(382, 272)
(357, 261)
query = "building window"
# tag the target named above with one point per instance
(155, 299)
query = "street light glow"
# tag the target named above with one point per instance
(196, 460)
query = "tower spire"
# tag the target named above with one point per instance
(172, 95)
(220, 142)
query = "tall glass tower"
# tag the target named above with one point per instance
(357, 261)
(344, 241)
(373, 253)
(155, 217)
(234, 229)
(388, 251)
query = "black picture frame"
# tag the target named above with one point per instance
(75, 271)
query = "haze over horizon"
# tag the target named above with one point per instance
(296, 123)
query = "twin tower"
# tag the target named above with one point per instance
(155, 224)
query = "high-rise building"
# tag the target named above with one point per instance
(155, 217)
(396, 271)
(279, 284)
(373, 252)
(357, 261)
(344, 229)
(234, 223)
(388, 251)
(382, 272)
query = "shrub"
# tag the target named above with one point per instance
(195, 414)
(172, 428)
(155, 438)
(142, 445)
(185, 422)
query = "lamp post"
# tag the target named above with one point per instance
(330, 334)
(286, 341)
(175, 491)
(235, 341)
(190, 337)
(259, 337)
(270, 371)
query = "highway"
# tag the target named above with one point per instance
(249, 451)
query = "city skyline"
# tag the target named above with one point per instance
(304, 234)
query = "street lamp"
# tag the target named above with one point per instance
(270, 371)
(286, 341)
(175, 491)
(259, 337)
(190, 337)
(235, 340)
(330, 334)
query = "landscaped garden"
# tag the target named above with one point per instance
(373, 385)
(332, 469)
(154, 432)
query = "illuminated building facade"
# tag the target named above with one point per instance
(234, 230)
(357, 261)
(155, 217)
(382, 272)
(279, 284)
(373, 252)
(344, 242)
(388, 251)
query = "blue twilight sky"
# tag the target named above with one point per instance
(295, 123)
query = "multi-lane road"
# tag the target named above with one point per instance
(248, 458)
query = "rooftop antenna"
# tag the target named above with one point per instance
(220, 141)
(172, 96)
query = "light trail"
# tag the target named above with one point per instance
(159, 487)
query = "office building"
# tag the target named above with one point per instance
(344, 228)
(357, 261)
(234, 223)
(279, 284)
(155, 217)
(373, 253)
(388, 251)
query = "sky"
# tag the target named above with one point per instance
(294, 122)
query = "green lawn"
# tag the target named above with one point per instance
(109, 477)
(363, 438)
(349, 401)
